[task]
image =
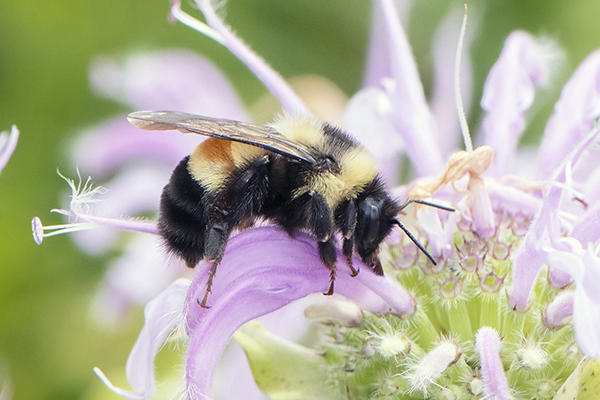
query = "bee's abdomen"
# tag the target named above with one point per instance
(182, 217)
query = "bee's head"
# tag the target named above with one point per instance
(377, 214)
(376, 217)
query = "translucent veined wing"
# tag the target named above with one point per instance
(251, 134)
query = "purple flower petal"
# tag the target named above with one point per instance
(586, 318)
(587, 228)
(8, 147)
(558, 310)
(116, 142)
(162, 315)
(479, 203)
(233, 378)
(545, 229)
(559, 279)
(174, 79)
(378, 58)
(588, 235)
(411, 115)
(439, 239)
(488, 346)
(272, 80)
(263, 270)
(526, 265)
(142, 260)
(574, 115)
(512, 200)
(367, 119)
(509, 91)
(584, 178)
(167, 80)
(584, 266)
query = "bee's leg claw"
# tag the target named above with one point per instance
(211, 275)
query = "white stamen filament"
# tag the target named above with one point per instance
(193, 23)
(67, 228)
(123, 224)
(464, 127)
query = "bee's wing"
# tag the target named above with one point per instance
(254, 135)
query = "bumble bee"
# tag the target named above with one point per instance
(299, 173)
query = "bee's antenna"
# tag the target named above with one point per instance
(415, 241)
(410, 235)
(425, 203)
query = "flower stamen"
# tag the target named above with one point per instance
(215, 29)
(178, 14)
(82, 195)
(8, 145)
(38, 229)
(464, 127)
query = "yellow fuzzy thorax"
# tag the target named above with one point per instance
(357, 166)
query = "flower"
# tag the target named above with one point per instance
(8, 143)
(516, 261)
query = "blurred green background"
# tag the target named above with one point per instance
(47, 345)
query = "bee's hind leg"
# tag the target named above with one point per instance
(329, 257)
(211, 275)
(215, 243)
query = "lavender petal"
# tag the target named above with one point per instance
(262, 271)
(167, 80)
(509, 91)
(574, 115)
(488, 346)
(162, 316)
(411, 115)
(272, 80)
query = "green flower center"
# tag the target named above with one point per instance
(385, 356)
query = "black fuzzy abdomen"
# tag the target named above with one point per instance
(182, 221)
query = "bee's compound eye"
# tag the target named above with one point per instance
(369, 214)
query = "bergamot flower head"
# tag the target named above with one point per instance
(510, 310)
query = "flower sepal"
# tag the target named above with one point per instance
(583, 383)
(281, 367)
